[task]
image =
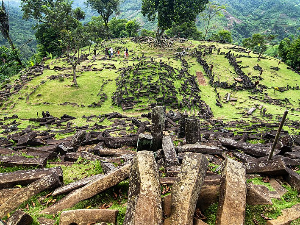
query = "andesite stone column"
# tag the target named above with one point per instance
(158, 117)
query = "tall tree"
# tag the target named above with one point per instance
(105, 8)
(170, 12)
(211, 11)
(4, 27)
(52, 17)
(258, 42)
(71, 42)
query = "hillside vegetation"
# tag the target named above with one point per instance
(228, 88)
(272, 87)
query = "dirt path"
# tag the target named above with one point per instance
(201, 79)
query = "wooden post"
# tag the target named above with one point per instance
(277, 134)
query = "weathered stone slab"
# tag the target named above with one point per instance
(6, 194)
(144, 201)
(74, 156)
(200, 148)
(209, 194)
(75, 185)
(118, 142)
(185, 192)
(47, 182)
(167, 205)
(88, 216)
(158, 117)
(90, 190)
(244, 158)
(279, 190)
(199, 222)
(17, 160)
(112, 152)
(258, 195)
(232, 201)
(288, 216)
(274, 167)
(169, 152)
(46, 221)
(192, 130)
(24, 177)
(144, 142)
(20, 218)
(257, 150)
(293, 179)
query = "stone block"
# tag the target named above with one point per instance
(144, 200)
(233, 190)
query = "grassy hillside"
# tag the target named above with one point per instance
(53, 91)
(177, 76)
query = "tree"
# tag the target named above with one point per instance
(185, 30)
(211, 11)
(223, 36)
(258, 42)
(8, 64)
(147, 33)
(105, 8)
(4, 27)
(170, 12)
(117, 27)
(96, 29)
(132, 27)
(52, 17)
(289, 51)
(71, 42)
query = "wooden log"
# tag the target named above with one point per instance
(144, 200)
(185, 192)
(88, 216)
(75, 185)
(24, 177)
(47, 182)
(90, 190)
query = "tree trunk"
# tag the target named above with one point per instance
(14, 50)
(74, 75)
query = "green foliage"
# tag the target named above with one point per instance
(53, 16)
(147, 33)
(96, 29)
(117, 27)
(223, 36)
(185, 30)
(169, 12)
(212, 10)
(258, 42)
(289, 51)
(104, 8)
(8, 63)
(132, 27)
(259, 181)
